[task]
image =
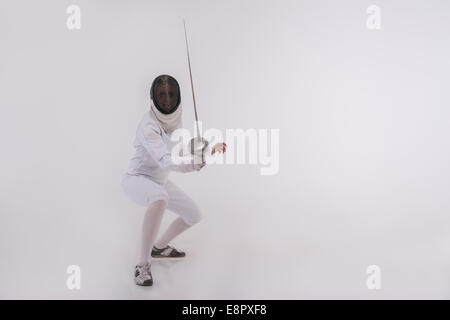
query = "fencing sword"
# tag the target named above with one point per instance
(197, 144)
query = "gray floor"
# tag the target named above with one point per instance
(251, 257)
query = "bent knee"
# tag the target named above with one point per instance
(194, 217)
(160, 203)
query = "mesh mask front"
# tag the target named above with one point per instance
(165, 93)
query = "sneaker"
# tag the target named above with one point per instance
(143, 276)
(167, 252)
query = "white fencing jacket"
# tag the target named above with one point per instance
(153, 152)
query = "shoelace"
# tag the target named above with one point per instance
(167, 250)
(144, 270)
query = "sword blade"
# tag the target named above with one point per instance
(192, 82)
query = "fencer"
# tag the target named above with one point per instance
(146, 179)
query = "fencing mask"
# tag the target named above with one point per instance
(165, 94)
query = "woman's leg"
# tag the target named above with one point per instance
(189, 214)
(150, 227)
(175, 228)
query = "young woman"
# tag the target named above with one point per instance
(146, 180)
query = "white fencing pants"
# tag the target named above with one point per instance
(143, 191)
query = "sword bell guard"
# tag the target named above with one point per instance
(197, 146)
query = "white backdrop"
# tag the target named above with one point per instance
(364, 161)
